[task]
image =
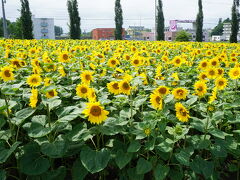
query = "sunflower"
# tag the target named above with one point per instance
(136, 61)
(64, 57)
(181, 112)
(234, 73)
(113, 87)
(51, 93)
(203, 65)
(214, 62)
(92, 95)
(61, 71)
(212, 73)
(82, 90)
(220, 71)
(35, 62)
(156, 101)
(86, 77)
(213, 97)
(47, 82)
(162, 91)
(7, 73)
(202, 76)
(177, 61)
(164, 58)
(180, 93)
(95, 113)
(209, 53)
(125, 87)
(200, 88)
(16, 63)
(221, 83)
(126, 57)
(34, 80)
(33, 98)
(113, 62)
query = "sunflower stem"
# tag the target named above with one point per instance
(8, 115)
(49, 122)
(131, 107)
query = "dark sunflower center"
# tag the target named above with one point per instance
(115, 86)
(200, 88)
(127, 57)
(183, 113)
(51, 93)
(204, 64)
(87, 77)
(34, 80)
(204, 76)
(178, 61)
(84, 90)
(16, 63)
(162, 90)
(65, 57)
(7, 73)
(180, 92)
(113, 62)
(136, 61)
(220, 71)
(214, 63)
(212, 73)
(236, 73)
(95, 111)
(158, 99)
(220, 83)
(126, 86)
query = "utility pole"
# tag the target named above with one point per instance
(155, 19)
(5, 32)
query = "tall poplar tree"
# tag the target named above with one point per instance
(75, 30)
(199, 22)
(26, 20)
(160, 21)
(118, 20)
(235, 22)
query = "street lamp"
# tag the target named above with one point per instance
(5, 32)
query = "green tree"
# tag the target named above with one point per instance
(58, 30)
(118, 20)
(1, 27)
(182, 36)
(160, 21)
(75, 30)
(26, 20)
(235, 22)
(15, 30)
(199, 22)
(218, 30)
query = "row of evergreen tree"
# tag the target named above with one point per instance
(75, 30)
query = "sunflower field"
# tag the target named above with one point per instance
(119, 110)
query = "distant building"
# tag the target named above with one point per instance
(171, 35)
(148, 36)
(216, 38)
(227, 31)
(105, 33)
(43, 28)
(137, 32)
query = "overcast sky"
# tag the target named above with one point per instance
(100, 13)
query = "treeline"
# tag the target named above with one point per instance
(23, 27)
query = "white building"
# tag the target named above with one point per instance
(227, 31)
(43, 28)
(216, 38)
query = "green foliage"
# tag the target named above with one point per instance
(75, 30)
(235, 22)
(58, 30)
(182, 36)
(14, 29)
(26, 20)
(199, 23)
(160, 22)
(118, 20)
